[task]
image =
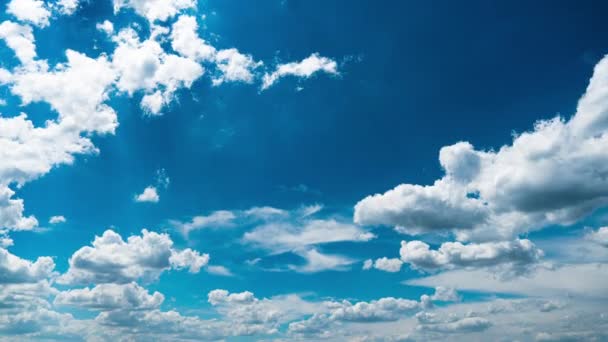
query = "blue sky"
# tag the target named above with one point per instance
(303, 170)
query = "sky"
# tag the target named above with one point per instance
(290, 170)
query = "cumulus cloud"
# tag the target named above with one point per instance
(384, 309)
(110, 297)
(445, 294)
(515, 256)
(14, 270)
(384, 264)
(325, 322)
(106, 27)
(554, 174)
(110, 259)
(20, 39)
(68, 7)
(145, 66)
(600, 236)
(155, 9)
(234, 67)
(76, 89)
(57, 219)
(466, 324)
(248, 314)
(303, 69)
(32, 11)
(11, 210)
(149, 195)
(186, 41)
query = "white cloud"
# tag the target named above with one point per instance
(445, 294)
(57, 219)
(388, 265)
(144, 66)
(513, 257)
(110, 259)
(600, 236)
(266, 213)
(188, 258)
(11, 211)
(319, 262)
(219, 270)
(106, 27)
(585, 280)
(110, 297)
(68, 7)
(76, 90)
(304, 69)
(5, 241)
(149, 195)
(384, 309)
(285, 236)
(20, 39)
(554, 174)
(186, 41)
(466, 324)
(14, 270)
(326, 323)
(155, 9)
(32, 11)
(217, 219)
(368, 264)
(234, 67)
(247, 314)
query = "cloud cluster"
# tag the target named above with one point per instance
(515, 256)
(111, 259)
(554, 174)
(78, 89)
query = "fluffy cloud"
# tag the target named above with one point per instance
(600, 236)
(149, 195)
(248, 314)
(11, 211)
(155, 9)
(466, 324)
(32, 11)
(110, 259)
(388, 265)
(513, 256)
(384, 309)
(234, 67)
(20, 39)
(68, 7)
(110, 297)
(186, 42)
(324, 323)
(76, 90)
(57, 219)
(145, 66)
(14, 270)
(554, 174)
(303, 69)
(106, 27)
(445, 294)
